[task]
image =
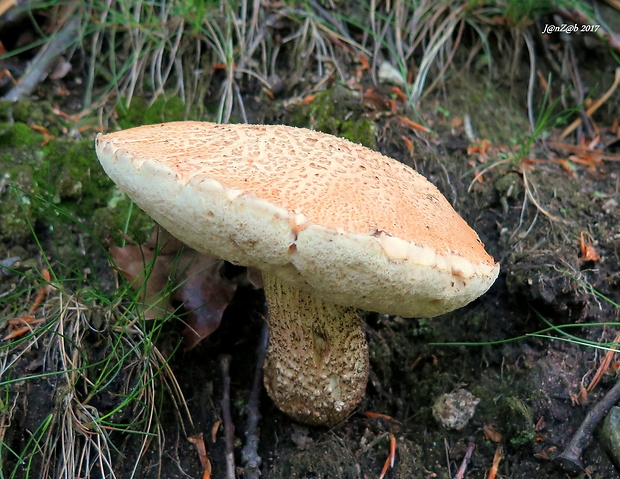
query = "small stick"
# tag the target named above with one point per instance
(497, 458)
(595, 106)
(604, 366)
(249, 454)
(39, 67)
(460, 474)
(229, 428)
(570, 460)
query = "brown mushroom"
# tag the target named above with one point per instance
(333, 226)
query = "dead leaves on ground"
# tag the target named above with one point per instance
(167, 274)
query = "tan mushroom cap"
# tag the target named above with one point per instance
(346, 223)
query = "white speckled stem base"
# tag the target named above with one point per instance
(317, 359)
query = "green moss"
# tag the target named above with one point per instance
(501, 404)
(5, 128)
(34, 112)
(43, 183)
(509, 184)
(20, 135)
(67, 174)
(17, 214)
(18, 211)
(64, 173)
(422, 328)
(337, 112)
(519, 422)
(6, 109)
(72, 173)
(360, 130)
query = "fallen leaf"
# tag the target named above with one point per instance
(588, 252)
(492, 434)
(147, 274)
(198, 441)
(205, 295)
(457, 123)
(166, 272)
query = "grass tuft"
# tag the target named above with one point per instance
(91, 367)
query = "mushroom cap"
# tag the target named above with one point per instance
(344, 222)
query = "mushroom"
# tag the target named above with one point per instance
(332, 225)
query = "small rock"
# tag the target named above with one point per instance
(611, 435)
(389, 74)
(7, 265)
(454, 410)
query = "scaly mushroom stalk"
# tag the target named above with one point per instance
(317, 359)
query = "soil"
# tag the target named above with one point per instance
(530, 386)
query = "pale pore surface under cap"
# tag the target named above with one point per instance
(308, 204)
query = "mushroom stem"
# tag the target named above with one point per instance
(317, 359)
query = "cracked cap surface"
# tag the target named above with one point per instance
(335, 218)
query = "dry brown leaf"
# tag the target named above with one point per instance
(166, 271)
(198, 441)
(205, 295)
(146, 274)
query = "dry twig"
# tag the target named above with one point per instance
(229, 428)
(595, 106)
(570, 460)
(604, 366)
(42, 62)
(460, 474)
(249, 455)
(583, 150)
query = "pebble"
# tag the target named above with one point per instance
(454, 410)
